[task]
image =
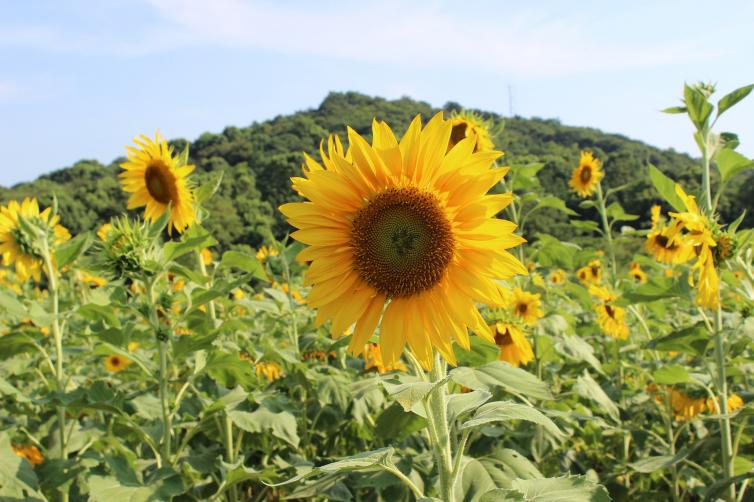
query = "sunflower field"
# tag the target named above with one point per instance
(408, 340)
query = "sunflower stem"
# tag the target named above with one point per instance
(608, 232)
(57, 334)
(438, 414)
(162, 347)
(706, 185)
(722, 388)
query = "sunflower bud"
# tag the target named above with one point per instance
(726, 247)
(128, 251)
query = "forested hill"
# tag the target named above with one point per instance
(259, 160)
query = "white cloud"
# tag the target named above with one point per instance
(420, 34)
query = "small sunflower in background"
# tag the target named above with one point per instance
(115, 363)
(156, 180)
(270, 370)
(610, 317)
(103, 230)
(734, 402)
(515, 349)
(591, 273)
(30, 453)
(265, 252)
(17, 248)
(524, 305)
(467, 124)
(404, 237)
(557, 276)
(587, 175)
(207, 256)
(637, 274)
(373, 360)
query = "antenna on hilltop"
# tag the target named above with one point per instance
(510, 101)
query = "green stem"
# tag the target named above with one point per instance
(166, 418)
(608, 232)
(57, 335)
(397, 473)
(211, 306)
(438, 415)
(706, 185)
(722, 388)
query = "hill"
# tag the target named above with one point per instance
(258, 161)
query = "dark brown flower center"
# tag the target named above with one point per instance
(115, 361)
(664, 242)
(586, 174)
(610, 311)
(160, 182)
(502, 339)
(402, 242)
(521, 308)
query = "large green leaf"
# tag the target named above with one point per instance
(565, 489)
(501, 374)
(733, 97)
(730, 163)
(672, 374)
(282, 424)
(110, 489)
(66, 253)
(588, 388)
(666, 188)
(505, 411)
(692, 340)
(245, 262)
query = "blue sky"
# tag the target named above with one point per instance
(79, 79)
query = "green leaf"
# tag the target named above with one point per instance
(586, 225)
(245, 262)
(105, 313)
(14, 344)
(282, 424)
(692, 340)
(501, 374)
(208, 189)
(505, 411)
(9, 305)
(66, 253)
(579, 349)
(408, 394)
(362, 461)
(555, 203)
(194, 238)
(666, 188)
(460, 404)
(396, 424)
(229, 370)
(588, 388)
(657, 288)
(730, 163)
(672, 374)
(732, 98)
(675, 109)
(616, 212)
(699, 109)
(658, 463)
(475, 480)
(565, 489)
(110, 489)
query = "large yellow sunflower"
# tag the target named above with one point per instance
(406, 227)
(468, 124)
(514, 347)
(526, 306)
(16, 247)
(586, 176)
(155, 180)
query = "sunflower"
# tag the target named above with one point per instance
(699, 236)
(373, 360)
(115, 363)
(133, 346)
(155, 180)
(265, 252)
(637, 274)
(269, 370)
(104, 230)
(685, 407)
(17, 247)
(30, 453)
(94, 281)
(586, 176)
(525, 305)
(733, 403)
(514, 347)
(557, 276)
(406, 227)
(207, 256)
(591, 274)
(468, 124)
(610, 317)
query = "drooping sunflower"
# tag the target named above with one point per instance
(557, 276)
(16, 247)
(684, 406)
(699, 236)
(467, 124)
(407, 228)
(155, 180)
(524, 305)
(115, 363)
(733, 403)
(587, 175)
(515, 349)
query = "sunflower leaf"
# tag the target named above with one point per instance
(505, 411)
(66, 253)
(666, 188)
(732, 98)
(501, 374)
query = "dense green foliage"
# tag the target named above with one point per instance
(259, 160)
